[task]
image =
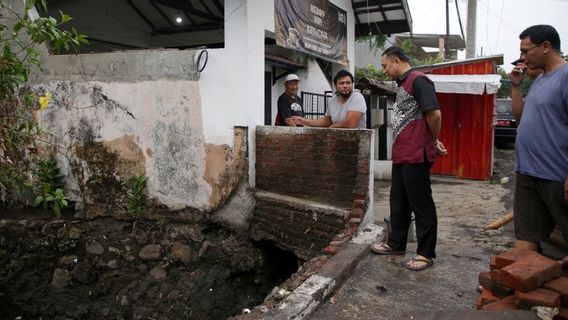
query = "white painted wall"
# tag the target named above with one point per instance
(232, 85)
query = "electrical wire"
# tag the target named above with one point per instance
(459, 19)
(500, 23)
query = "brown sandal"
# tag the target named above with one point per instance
(385, 249)
(427, 263)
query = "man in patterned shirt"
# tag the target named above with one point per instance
(416, 125)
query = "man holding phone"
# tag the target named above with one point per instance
(541, 193)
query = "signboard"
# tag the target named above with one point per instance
(315, 27)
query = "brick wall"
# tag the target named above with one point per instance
(296, 225)
(312, 187)
(323, 165)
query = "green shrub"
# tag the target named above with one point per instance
(19, 36)
(136, 195)
(49, 187)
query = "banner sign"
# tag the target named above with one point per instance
(315, 27)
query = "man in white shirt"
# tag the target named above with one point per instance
(347, 109)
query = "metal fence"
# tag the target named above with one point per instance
(315, 104)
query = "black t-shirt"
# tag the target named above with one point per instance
(425, 94)
(288, 107)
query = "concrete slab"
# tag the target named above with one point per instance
(382, 288)
(317, 289)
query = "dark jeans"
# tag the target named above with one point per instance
(411, 192)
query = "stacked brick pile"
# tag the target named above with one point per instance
(522, 280)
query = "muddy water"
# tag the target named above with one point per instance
(108, 269)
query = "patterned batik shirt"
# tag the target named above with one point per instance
(412, 138)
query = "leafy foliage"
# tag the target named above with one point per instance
(370, 72)
(136, 195)
(375, 41)
(19, 133)
(50, 193)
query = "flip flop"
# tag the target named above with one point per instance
(385, 249)
(427, 264)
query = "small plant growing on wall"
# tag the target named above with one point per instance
(20, 34)
(49, 187)
(136, 195)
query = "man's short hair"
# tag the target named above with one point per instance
(342, 74)
(540, 33)
(397, 52)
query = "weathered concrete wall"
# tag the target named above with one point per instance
(314, 187)
(115, 130)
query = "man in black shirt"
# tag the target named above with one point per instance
(289, 104)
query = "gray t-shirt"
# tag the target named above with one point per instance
(542, 136)
(338, 112)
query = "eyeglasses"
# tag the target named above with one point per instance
(526, 50)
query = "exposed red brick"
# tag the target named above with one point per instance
(537, 297)
(354, 222)
(478, 304)
(330, 250)
(529, 273)
(356, 213)
(486, 280)
(487, 297)
(507, 303)
(562, 314)
(358, 204)
(559, 285)
(509, 257)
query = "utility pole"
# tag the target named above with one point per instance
(471, 26)
(447, 42)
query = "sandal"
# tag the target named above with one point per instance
(426, 263)
(385, 249)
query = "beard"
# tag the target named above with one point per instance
(345, 94)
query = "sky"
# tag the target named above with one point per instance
(499, 22)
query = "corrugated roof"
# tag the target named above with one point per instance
(498, 60)
(381, 17)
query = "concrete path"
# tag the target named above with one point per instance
(382, 288)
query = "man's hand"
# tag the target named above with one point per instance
(290, 121)
(441, 149)
(300, 120)
(518, 74)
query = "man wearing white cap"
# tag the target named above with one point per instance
(289, 104)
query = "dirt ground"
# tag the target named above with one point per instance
(109, 269)
(381, 288)
(467, 204)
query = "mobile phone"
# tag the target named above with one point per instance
(516, 62)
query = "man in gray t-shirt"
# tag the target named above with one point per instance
(347, 109)
(541, 193)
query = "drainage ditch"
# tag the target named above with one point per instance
(109, 269)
